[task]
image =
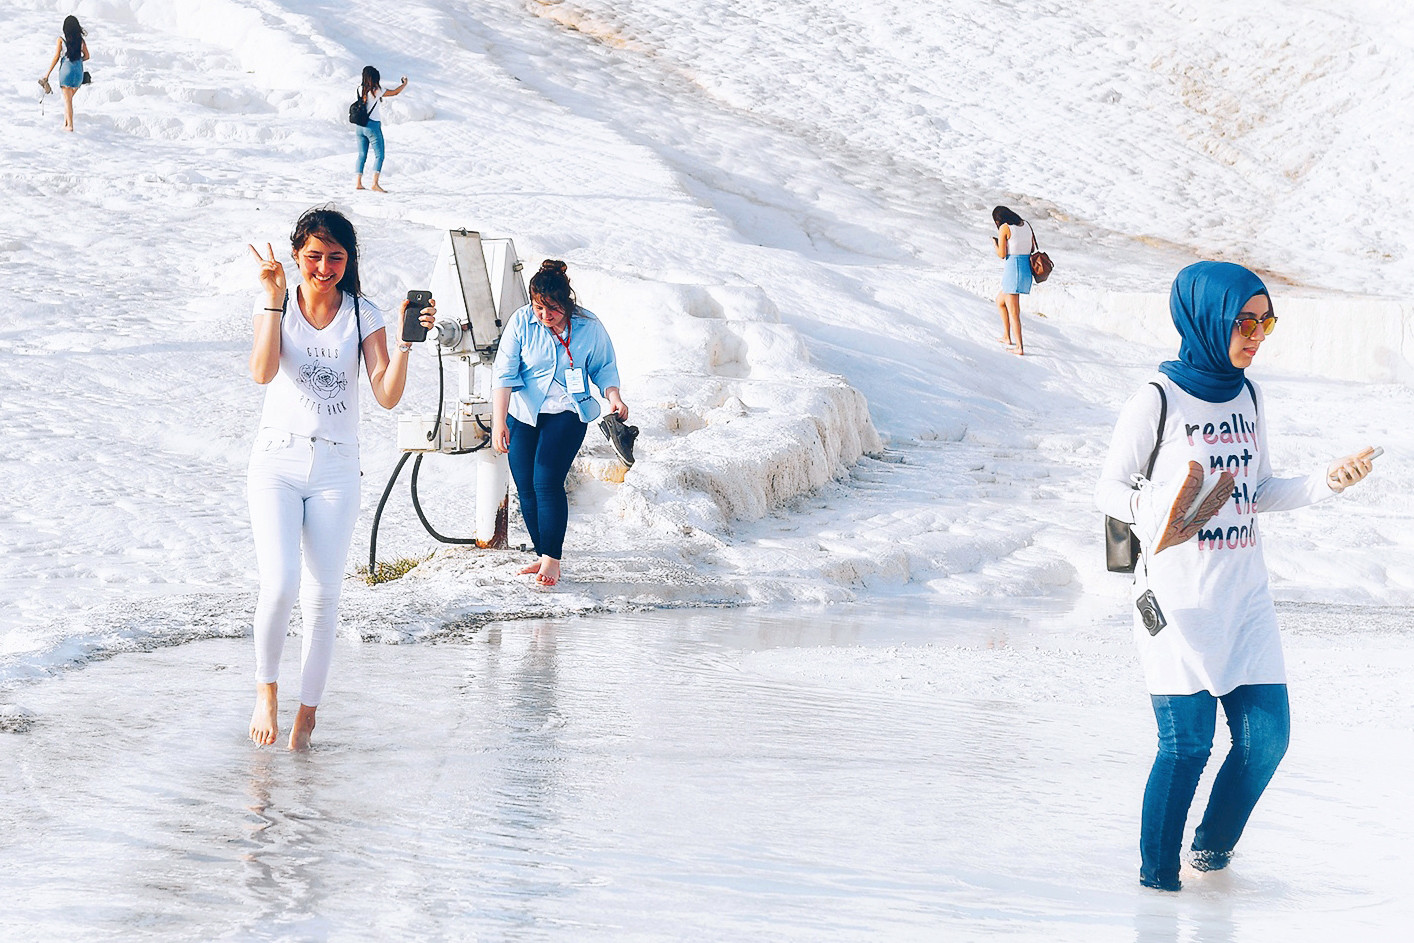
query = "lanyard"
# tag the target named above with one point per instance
(565, 341)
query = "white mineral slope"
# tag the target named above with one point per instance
(1267, 133)
(784, 275)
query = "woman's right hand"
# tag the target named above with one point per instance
(272, 273)
(1350, 470)
(500, 437)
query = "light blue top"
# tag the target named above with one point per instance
(529, 359)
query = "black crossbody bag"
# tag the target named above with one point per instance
(1121, 546)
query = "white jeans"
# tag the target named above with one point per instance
(302, 491)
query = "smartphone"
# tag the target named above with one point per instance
(413, 330)
(1379, 450)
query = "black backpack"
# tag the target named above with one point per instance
(358, 112)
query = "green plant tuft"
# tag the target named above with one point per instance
(387, 572)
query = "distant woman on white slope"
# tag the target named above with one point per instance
(371, 134)
(1201, 565)
(72, 50)
(304, 473)
(1014, 241)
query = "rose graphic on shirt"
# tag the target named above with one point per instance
(323, 381)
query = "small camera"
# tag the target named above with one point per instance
(1149, 611)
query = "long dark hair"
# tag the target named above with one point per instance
(371, 80)
(551, 287)
(73, 39)
(329, 224)
(1002, 214)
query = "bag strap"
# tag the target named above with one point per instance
(358, 335)
(1153, 456)
(1163, 415)
(1034, 247)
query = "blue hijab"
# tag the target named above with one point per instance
(1205, 301)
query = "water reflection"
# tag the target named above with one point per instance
(527, 686)
(286, 839)
(1206, 919)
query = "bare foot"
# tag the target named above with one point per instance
(1019, 352)
(549, 572)
(1007, 341)
(360, 187)
(304, 726)
(533, 568)
(264, 725)
(379, 189)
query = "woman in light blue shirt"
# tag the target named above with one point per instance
(550, 352)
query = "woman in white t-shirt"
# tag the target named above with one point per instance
(303, 482)
(1215, 637)
(371, 134)
(1014, 241)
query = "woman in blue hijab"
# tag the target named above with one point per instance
(1188, 469)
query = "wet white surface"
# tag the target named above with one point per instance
(890, 772)
(772, 212)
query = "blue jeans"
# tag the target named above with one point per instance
(371, 133)
(1260, 720)
(540, 458)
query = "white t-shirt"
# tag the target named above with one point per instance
(373, 99)
(315, 393)
(557, 399)
(1019, 242)
(1222, 627)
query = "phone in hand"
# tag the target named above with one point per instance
(413, 331)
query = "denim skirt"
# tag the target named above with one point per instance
(1016, 274)
(70, 73)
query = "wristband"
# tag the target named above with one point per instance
(405, 347)
(276, 310)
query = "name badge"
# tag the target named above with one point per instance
(574, 381)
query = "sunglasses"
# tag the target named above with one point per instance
(1248, 326)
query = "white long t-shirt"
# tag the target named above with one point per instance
(1222, 627)
(315, 392)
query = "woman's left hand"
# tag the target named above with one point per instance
(616, 403)
(1350, 470)
(427, 319)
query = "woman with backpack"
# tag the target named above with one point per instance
(1014, 241)
(303, 482)
(370, 134)
(70, 53)
(1205, 624)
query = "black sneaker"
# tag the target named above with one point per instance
(1210, 860)
(620, 436)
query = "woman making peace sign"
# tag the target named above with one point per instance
(303, 481)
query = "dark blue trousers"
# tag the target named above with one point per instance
(1259, 718)
(540, 457)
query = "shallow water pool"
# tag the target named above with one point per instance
(894, 772)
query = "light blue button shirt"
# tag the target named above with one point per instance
(529, 359)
